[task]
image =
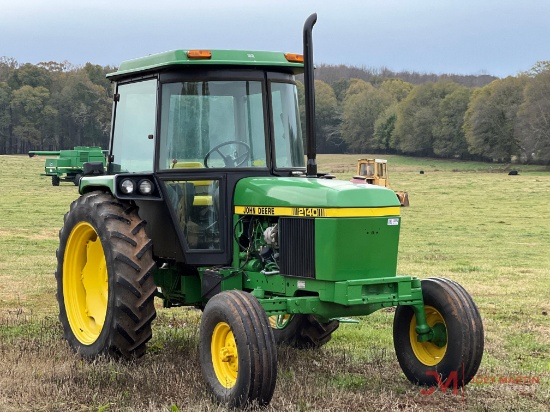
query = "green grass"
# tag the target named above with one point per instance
(468, 221)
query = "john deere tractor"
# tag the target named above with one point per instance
(208, 200)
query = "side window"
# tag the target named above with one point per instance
(133, 148)
(287, 132)
(197, 208)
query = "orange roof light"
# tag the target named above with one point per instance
(294, 58)
(199, 54)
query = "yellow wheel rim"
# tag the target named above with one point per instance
(225, 358)
(427, 352)
(85, 283)
(279, 321)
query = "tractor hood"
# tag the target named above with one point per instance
(311, 193)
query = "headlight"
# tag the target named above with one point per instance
(145, 187)
(127, 187)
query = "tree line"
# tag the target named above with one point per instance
(52, 106)
(464, 117)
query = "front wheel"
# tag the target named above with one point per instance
(105, 287)
(457, 347)
(237, 350)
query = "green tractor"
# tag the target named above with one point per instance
(69, 164)
(208, 200)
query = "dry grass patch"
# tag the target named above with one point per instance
(488, 231)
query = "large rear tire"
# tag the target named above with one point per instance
(302, 331)
(237, 350)
(459, 347)
(105, 287)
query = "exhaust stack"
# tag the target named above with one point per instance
(309, 81)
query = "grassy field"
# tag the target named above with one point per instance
(470, 222)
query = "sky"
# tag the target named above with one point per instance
(495, 37)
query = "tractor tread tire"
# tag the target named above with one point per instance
(257, 354)
(464, 328)
(130, 265)
(475, 330)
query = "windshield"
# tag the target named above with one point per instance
(212, 124)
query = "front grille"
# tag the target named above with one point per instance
(297, 247)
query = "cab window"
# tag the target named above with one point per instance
(134, 128)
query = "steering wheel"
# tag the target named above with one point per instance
(230, 160)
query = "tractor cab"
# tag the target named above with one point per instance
(217, 110)
(372, 171)
(188, 125)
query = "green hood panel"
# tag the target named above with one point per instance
(310, 192)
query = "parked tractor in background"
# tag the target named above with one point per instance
(375, 172)
(207, 200)
(69, 164)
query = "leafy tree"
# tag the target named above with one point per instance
(490, 123)
(534, 116)
(357, 86)
(384, 127)
(7, 68)
(53, 67)
(538, 68)
(449, 139)
(5, 117)
(340, 88)
(85, 110)
(327, 118)
(362, 106)
(30, 112)
(417, 117)
(398, 89)
(97, 74)
(29, 75)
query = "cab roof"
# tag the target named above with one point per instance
(182, 58)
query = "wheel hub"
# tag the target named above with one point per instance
(225, 357)
(85, 283)
(430, 352)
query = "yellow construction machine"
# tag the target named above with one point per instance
(375, 172)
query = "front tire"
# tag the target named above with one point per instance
(105, 287)
(237, 350)
(459, 346)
